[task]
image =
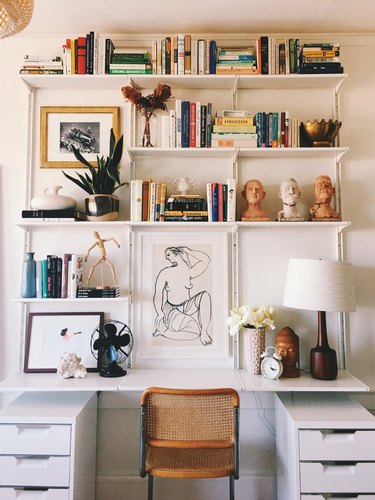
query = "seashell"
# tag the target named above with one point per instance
(70, 366)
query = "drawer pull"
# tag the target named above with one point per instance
(339, 469)
(338, 437)
(33, 429)
(31, 461)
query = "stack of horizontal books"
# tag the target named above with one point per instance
(88, 292)
(130, 61)
(185, 208)
(36, 65)
(320, 58)
(234, 128)
(233, 61)
(57, 215)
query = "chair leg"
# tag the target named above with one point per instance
(231, 487)
(150, 487)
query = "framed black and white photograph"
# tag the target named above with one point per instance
(85, 128)
(182, 298)
(50, 335)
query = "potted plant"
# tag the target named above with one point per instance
(101, 182)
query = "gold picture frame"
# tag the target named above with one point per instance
(87, 128)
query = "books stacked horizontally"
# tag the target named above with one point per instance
(234, 128)
(58, 215)
(233, 61)
(90, 292)
(130, 61)
(221, 201)
(36, 65)
(185, 208)
(320, 58)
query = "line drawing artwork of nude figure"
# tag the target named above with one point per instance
(183, 312)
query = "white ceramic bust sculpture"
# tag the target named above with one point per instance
(290, 194)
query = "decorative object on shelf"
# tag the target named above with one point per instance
(290, 194)
(52, 200)
(103, 259)
(85, 128)
(319, 133)
(147, 105)
(15, 15)
(271, 366)
(70, 366)
(28, 283)
(112, 344)
(102, 204)
(50, 335)
(254, 320)
(183, 184)
(320, 285)
(324, 191)
(287, 345)
(254, 193)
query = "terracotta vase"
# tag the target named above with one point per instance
(254, 346)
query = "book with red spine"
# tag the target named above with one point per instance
(81, 55)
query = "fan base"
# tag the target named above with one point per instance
(112, 370)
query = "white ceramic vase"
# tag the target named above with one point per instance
(52, 200)
(254, 346)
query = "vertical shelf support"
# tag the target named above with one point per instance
(235, 292)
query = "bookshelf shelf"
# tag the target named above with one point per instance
(123, 298)
(25, 224)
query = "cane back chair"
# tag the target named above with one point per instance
(189, 434)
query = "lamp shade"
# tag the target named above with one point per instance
(15, 15)
(319, 285)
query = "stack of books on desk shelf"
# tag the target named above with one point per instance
(130, 61)
(58, 215)
(234, 128)
(237, 61)
(36, 65)
(89, 292)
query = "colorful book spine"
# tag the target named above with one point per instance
(136, 191)
(185, 124)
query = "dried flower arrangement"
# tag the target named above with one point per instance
(148, 104)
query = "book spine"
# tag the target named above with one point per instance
(168, 55)
(145, 199)
(38, 282)
(198, 125)
(157, 201)
(201, 57)
(185, 124)
(178, 122)
(209, 200)
(136, 188)
(220, 202)
(207, 57)
(152, 201)
(65, 276)
(175, 54)
(264, 54)
(194, 62)
(181, 54)
(209, 125)
(213, 57)
(203, 122)
(165, 131)
(163, 195)
(215, 202)
(187, 56)
(58, 277)
(154, 52)
(172, 128)
(44, 279)
(81, 55)
(73, 277)
(193, 124)
(231, 200)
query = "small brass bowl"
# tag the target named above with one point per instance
(319, 134)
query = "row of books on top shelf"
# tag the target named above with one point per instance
(149, 202)
(62, 277)
(185, 55)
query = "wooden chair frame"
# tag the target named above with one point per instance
(160, 437)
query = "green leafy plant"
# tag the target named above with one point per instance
(104, 179)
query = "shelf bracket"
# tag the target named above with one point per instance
(235, 93)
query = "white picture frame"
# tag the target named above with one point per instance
(194, 332)
(50, 335)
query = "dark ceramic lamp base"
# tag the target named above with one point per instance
(323, 360)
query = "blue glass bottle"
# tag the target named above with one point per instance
(28, 284)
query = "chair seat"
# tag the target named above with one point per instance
(190, 462)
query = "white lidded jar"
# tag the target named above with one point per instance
(52, 200)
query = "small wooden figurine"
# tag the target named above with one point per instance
(287, 345)
(324, 191)
(254, 193)
(100, 243)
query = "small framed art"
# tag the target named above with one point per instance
(50, 335)
(85, 128)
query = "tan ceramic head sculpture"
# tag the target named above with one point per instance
(254, 194)
(324, 191)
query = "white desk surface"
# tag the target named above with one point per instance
(184, 378)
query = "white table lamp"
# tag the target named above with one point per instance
(320, 285)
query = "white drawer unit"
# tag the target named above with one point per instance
(325, 447)
(48, 447)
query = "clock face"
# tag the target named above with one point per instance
(271, 368)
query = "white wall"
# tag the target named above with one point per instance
(358, 101)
